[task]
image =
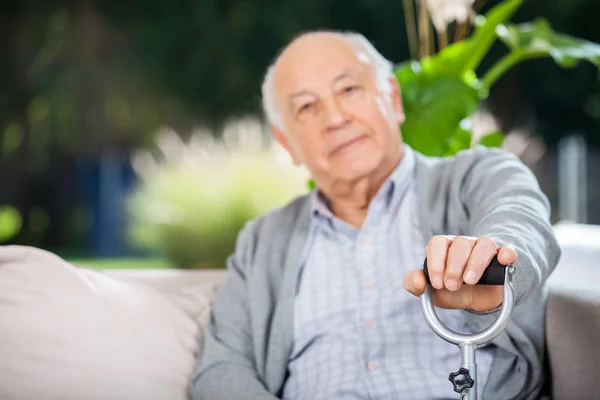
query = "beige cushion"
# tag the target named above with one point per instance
(190, 290)
(75, 333)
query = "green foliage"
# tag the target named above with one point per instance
(538, 38)
(493, 139)
(441, 92)
(485, 34)
(10, 223)
(121, 263)
(434, 105)
(191, 206)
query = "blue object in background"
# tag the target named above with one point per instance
(102, 187)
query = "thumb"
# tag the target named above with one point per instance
(415, 282)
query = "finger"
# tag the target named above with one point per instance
(437, 251)
(478, 298)
(459, 299)
(415, 282)
(484, 251)
(507, 255)
(458, 255)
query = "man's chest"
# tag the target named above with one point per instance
(357, 278)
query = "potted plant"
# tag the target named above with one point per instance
(442, 90)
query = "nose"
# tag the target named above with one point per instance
(336, 116)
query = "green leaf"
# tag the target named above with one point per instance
(492, 139)
(408, 75)
(460, 140)
(10, 223)
(485, 33)
(434, 106)
(462, 58)
(449, 61)
(538, 39)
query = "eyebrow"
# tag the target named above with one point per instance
(344, 74)
(301, 93)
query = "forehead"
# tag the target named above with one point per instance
(313, 64)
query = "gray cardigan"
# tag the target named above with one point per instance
(478, 192)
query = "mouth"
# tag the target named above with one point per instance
(342, 146)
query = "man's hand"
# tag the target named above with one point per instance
(452, 260)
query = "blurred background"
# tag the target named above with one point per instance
(131, 133)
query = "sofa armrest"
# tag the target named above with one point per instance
(573, 314)
(573, 326)
(171, 280)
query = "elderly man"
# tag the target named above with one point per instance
(321, 300)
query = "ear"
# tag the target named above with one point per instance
(396, 100)
(283, 139)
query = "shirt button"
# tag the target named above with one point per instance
(372, 365)
(371, 285)
(370, 323)
(366, 240)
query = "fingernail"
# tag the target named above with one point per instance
(470, 277)
(452, 284)
(437, 282)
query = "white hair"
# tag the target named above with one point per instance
(366, 52)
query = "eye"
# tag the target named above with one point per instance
(351, 89)
(305, 107)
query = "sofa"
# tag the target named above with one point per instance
(72, 332)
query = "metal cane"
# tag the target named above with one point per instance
(465, 379)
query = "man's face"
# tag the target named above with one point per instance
(336, 121)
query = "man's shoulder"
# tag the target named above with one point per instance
(466, 157)
(483, 154)
(473, 162)
(284, 215)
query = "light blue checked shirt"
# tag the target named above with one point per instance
(358, 334)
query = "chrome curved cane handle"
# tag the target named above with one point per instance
(465, 379)
(508, 299)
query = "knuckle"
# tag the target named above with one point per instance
(453, 273)
(438, 240)
(435, 270)
(487, 242)
(463, 241)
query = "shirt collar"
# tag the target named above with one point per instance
(390, 193)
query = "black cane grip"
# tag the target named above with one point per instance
(493, 274)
